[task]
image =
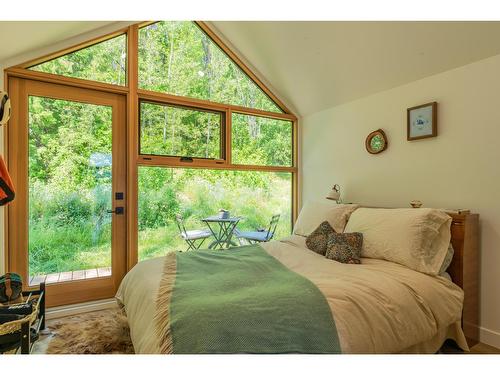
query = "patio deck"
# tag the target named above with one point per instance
(60, 277)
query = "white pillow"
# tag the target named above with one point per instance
(414, 237)
(447, 260)
(313, 213)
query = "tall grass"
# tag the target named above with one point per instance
(71, 230)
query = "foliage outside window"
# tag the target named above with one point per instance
(177, 57)
(70, 151)
(198, 193)
(178, 131)
(261, 141)
(69, 185)
(102, 62)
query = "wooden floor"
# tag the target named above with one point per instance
(484, 349)
(41, 346)
(449, 347)
(70, 276)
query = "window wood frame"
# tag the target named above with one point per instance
(17, 213)
(222, 134)
(292, 124)
(133, 96)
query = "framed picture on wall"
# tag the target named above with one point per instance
(422, 121)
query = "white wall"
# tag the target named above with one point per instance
(458, 169)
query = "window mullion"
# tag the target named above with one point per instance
(227, 137)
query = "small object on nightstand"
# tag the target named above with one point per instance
(416, 204)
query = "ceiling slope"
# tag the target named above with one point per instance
(316, 65)
(313, 65)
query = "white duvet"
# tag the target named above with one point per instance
(378, 306)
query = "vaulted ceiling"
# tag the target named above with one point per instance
(19, 37)
(315, 65)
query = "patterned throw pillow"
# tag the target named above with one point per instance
(344, 247)
(318, 239)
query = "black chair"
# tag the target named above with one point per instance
(192, 236)
(260, 235)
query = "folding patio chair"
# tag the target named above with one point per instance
(259, 236)
(192, 236)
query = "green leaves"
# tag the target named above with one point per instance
(70, 151)
(178, 58)
(102, 62)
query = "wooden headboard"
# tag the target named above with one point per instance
(464, 269)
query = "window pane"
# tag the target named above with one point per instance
(261, 141)
(102, 62)
(70, 159)
(179, 58)
(199, 193)
(178, 131)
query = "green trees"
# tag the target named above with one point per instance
(70, 151)
(176, 57)
(177, 131)
(103, 62)
(69, 189)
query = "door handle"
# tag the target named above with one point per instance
(117, 210)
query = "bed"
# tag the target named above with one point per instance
(377, 307)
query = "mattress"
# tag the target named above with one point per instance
(378, 306)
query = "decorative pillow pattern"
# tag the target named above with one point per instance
(318, 239)
(345, 247)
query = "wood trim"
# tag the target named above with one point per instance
(222, 129)
(142, 24)
(260, 113)
(67, 81)
(465, 270)
(71, 292)
(207, 30)
(174, 162)
(295, 163)
(62, 293)
(6, 159)
(17, 164)
(132, 148)
(119, 184)
(207, 104)
(73, 48)
(229, 137)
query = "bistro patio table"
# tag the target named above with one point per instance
(222, 230)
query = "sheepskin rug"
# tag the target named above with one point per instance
(99, 332)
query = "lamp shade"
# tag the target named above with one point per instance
(334, 194)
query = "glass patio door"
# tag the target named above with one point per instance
(67, 158)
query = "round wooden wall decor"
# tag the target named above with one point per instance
(376, 142)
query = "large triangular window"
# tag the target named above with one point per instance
(177, 57)
(103, 62)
